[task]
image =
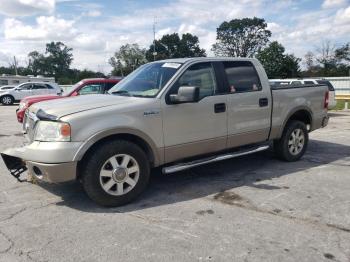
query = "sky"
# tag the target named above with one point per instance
(95, 29)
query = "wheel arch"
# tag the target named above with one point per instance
(131, 135)
(302, 114)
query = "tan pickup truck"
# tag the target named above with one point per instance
(173, 114)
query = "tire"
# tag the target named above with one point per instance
(291, 146)
(7, 100)
(110, 182)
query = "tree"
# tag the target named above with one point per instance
(343, 53)
(277, 64)
(326, 57)
(56, 60)
(37, 63)
(59, 58)
(241, 37)
(128, 58)
(172, 46)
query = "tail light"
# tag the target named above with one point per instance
(326, 100)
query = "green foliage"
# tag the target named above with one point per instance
(128, 58)
(328, 61)
(241, 37)
(172, 46)
(277, 64)
(56, 60)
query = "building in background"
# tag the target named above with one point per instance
(16, 79)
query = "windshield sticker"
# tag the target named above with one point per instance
(172, 65)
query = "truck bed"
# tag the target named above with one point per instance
(299, 97)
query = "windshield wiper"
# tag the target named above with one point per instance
(121, 92)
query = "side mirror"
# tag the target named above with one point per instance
(185, 94)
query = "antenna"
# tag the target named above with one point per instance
(154, 39)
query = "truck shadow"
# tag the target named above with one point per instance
(212, 179)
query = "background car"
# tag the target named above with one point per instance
(84, 87)
(28, 89)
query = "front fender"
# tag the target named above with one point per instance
(157, 152)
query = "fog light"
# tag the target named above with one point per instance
(37, 171)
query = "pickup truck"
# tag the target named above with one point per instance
(174, 114)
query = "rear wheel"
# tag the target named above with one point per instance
(116, 173)
(7, 100)
(293, 143)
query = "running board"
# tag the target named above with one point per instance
(188, 165)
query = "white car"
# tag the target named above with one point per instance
(308, 81)
(9, 96)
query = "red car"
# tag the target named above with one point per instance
(84, 87)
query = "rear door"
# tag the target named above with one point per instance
(197, 128)
(40, 89)
(249, 105)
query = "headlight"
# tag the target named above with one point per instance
(22, 105)
(49, 131)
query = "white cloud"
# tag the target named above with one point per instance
(47, 27)
(89, 42)
(93, 13)
(333, 3)
(343, 17)
(26, 7)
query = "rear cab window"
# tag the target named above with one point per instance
(241, 76)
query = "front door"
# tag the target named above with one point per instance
(195, 128)
(249, 105)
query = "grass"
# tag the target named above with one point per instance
(340, 105)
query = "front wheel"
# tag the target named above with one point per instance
(7, 100)
(293, 143)
(116, 173)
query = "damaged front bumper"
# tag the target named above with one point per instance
(47, 161)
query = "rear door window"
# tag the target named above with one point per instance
(241, 76)
(296, 83)
(308, 82)
(39, 86)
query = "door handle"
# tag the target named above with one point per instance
(220, 108)
(263, 102)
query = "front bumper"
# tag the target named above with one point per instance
(52, 173)
(47, 161)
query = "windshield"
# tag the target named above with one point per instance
(71, 89)
(146, 81)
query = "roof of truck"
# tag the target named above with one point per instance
(190, 59)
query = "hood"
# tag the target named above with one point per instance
(40, 98)
(71, 105)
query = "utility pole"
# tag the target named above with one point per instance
(15, 65)
(154, 39)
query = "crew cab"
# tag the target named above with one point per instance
(84, 87)
(174, 114)
(28, 89)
